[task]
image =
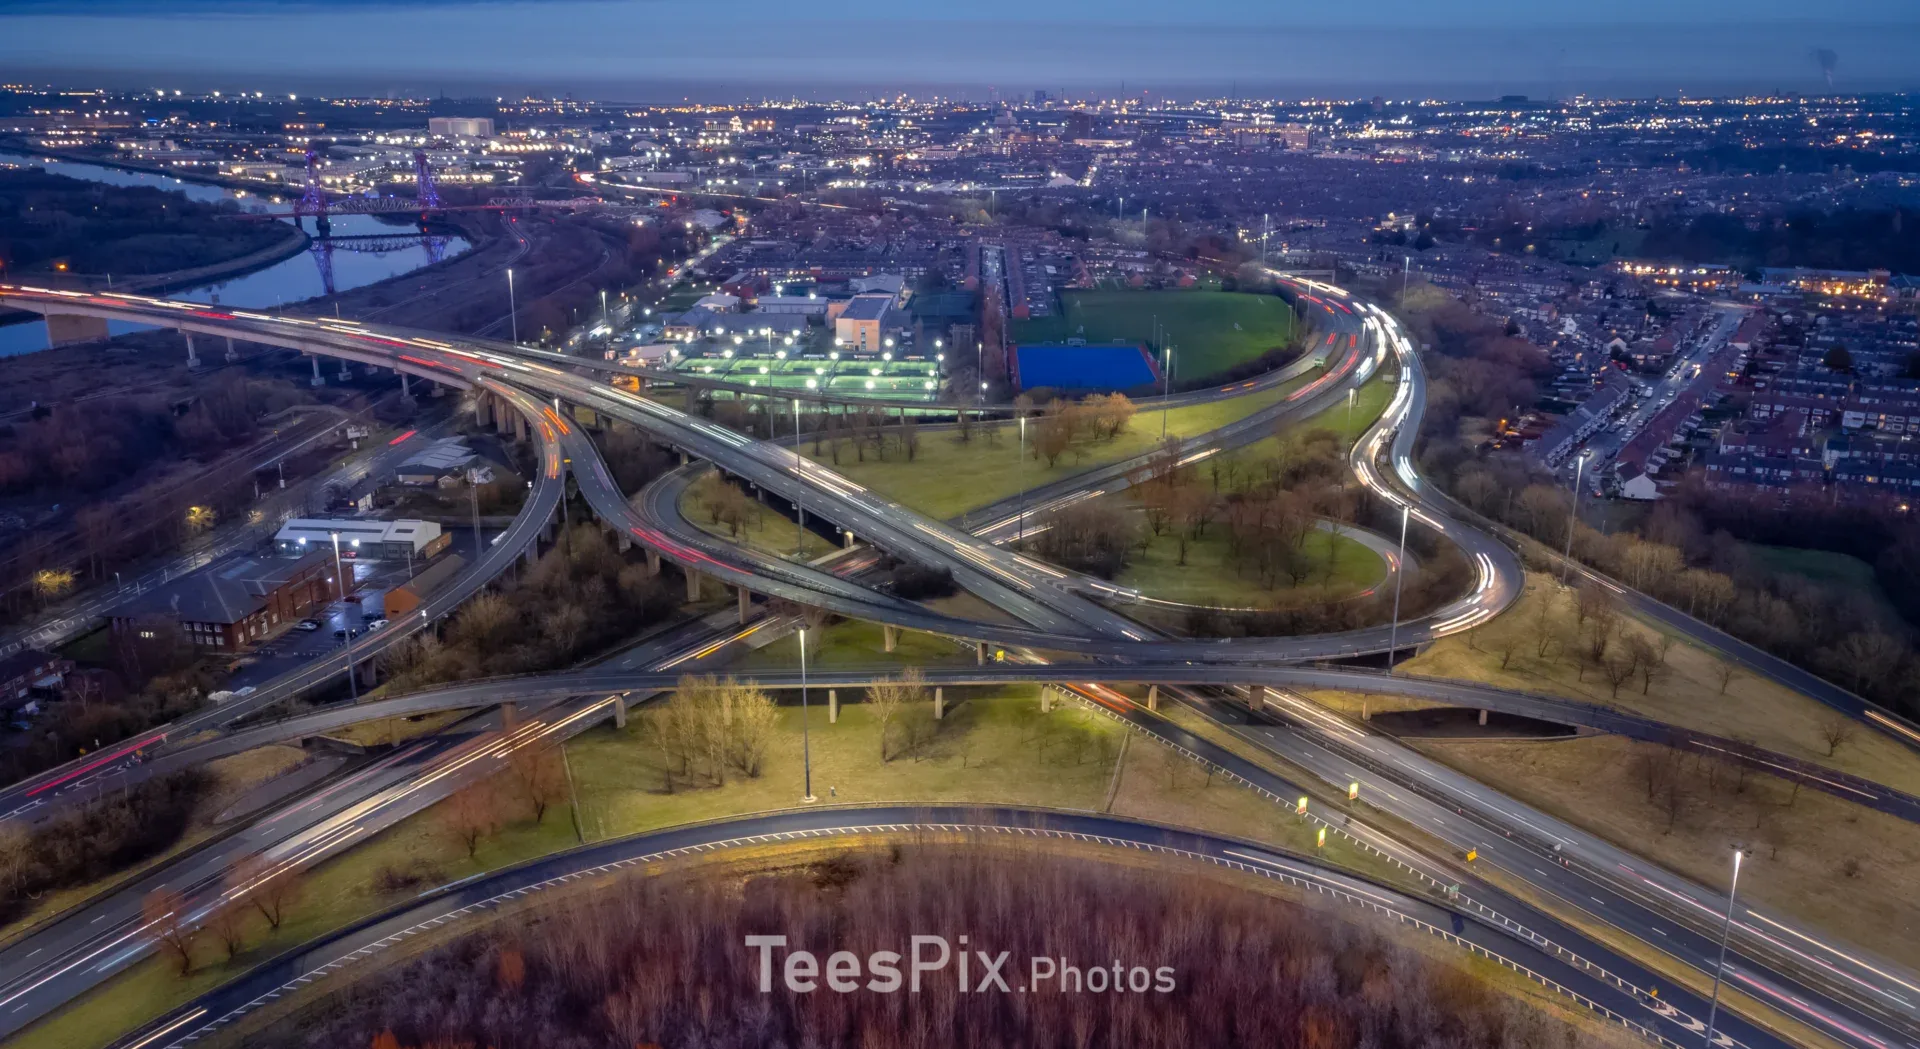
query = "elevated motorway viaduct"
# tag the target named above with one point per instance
(1056, 617)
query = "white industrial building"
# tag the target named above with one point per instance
(365, 539)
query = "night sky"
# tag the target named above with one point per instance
(653, 51)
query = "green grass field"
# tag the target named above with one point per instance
(1338, 566)
(1210, 331)
(948, 478)
(1839, 571)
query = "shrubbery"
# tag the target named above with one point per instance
(90, 842)
(578, 597)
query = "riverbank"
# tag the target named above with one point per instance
(293, 244)
(17, 144)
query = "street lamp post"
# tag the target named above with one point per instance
(806, 742)
(603, 306)
(1351, 390)
(473, 496)
(1022, 537)
(1573, 515)
(800, 510)
(340, 584)
(1713, 1009)
(1399, 575)
(1166, 387)
(513, 310)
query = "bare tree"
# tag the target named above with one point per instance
(1725, 671)
(164, 914)
(267, 887)
(752, 715)
(228, 924)
(471, 814)
(539, 776)
(1836, 729)
(889, 697)
(1506, 643)
(1618, 669)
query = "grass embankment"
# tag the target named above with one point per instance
(1368, 402)
(1210, 331)
(1826, 863)
(1688, 693)
(761, 528)
(946, 477)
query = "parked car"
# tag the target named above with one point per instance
(308, 625)
(375, 624)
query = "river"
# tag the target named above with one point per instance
(289, 280)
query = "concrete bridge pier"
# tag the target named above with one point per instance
(232, 353)
(1483, 715)
(405, 390)
(1153, 697)
(625, 542)
(693, 585)
(980, 653)
(939, 703)
(833, 706)
(745, 598)
(653, 562)
(72, 329)
(620, 711)
(846, 538)
(345, 372)
(193, 359)
(890, 635)
(519, 426)
(1256, 698)
(316, 380)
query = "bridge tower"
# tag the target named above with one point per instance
(314, 200)
(425, 191)
(322, 249)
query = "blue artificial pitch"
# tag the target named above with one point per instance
(1060, 367)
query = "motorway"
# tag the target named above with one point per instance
(1057, 618)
